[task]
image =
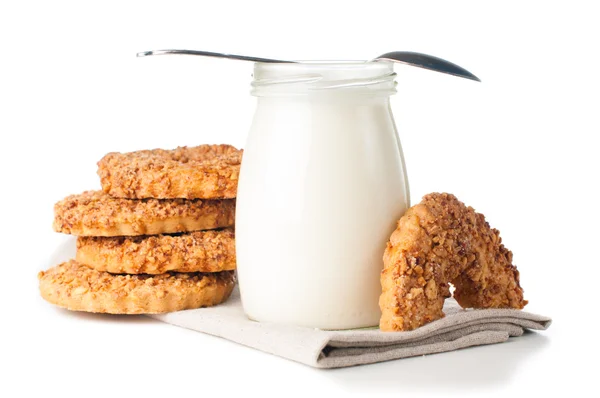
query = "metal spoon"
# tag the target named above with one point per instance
(405, 57)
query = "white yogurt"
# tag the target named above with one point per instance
(321, 187)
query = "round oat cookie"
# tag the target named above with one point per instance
(202, 251)
(205, 172)
(79, 288)
(94, 213)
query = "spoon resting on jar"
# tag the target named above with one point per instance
(420, 60)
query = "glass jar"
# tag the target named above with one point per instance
(321, 187)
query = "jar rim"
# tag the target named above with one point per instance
(317, 62)
(318, 76)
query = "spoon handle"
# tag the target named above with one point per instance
(207, 54)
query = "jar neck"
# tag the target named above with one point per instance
(324, 80)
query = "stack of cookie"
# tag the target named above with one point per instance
(158, 238)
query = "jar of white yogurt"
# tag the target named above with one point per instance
(321, 186)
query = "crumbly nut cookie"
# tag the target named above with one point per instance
(95, 213)
(79, 288)
(437, 242)
(202, 251)
(205, 172)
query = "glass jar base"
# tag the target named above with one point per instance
(348, 325)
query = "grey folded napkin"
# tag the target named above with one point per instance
(340, 348)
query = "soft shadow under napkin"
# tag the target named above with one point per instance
(334, 349)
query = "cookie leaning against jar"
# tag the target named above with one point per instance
(437, 242)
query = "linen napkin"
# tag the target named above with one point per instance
(340, 348)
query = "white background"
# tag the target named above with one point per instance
(521, 147)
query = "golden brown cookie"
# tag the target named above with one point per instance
(202, 251)
(205, 172)
(437, 242)
(79, 288)
(94, 213)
